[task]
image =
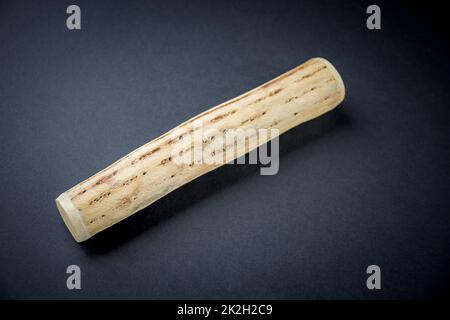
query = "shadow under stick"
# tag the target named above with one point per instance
(198, 146)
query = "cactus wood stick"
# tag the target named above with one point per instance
(149, 172)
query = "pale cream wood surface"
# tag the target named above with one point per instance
(150, 172)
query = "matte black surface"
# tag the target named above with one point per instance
(365, 184)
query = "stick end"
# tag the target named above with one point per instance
(72, 218)
(337, 76)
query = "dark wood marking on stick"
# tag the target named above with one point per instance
(127, 182)
(253, 118)
(106, 178)
(102, 196)
(291, 99)
(221, 116)
(322, 100)
(311, 74)
(287, 74)
(303, 93)
(166, 160)
(271, 94)
(145, 155)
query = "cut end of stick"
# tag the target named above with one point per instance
(337, 76)
(72, 218)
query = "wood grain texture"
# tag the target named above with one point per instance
(149, 172)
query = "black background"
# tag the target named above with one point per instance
(366, 184)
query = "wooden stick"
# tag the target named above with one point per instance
(150, 172)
